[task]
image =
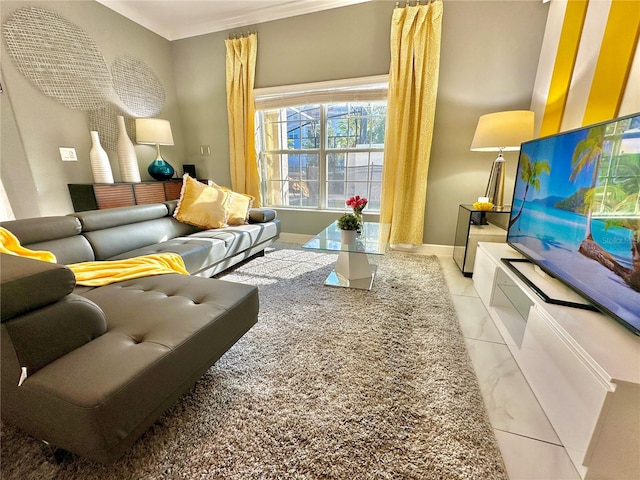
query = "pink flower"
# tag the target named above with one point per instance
(357, 203)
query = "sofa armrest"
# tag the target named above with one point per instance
(262, 215)
(42, 316)
(27, 284)
(41, 336)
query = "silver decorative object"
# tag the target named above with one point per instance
(58, 57)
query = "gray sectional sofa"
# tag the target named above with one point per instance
(89, 369)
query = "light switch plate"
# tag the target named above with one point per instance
(68, 154)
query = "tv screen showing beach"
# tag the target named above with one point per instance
(576, 213)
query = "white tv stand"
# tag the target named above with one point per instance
(583, 366)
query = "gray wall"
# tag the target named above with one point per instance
(33, 174)
(489, 59)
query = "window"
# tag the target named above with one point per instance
(317, 156)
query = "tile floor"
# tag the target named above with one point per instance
(530, 448)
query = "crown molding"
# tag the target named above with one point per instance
(179, 28)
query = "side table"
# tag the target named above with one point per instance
(477, 226)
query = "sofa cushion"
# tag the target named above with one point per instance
(58, 235)
(44, 229)
(114, 217)
(114, 241)
(262, 215)
(202, 205)
(242, 237)
(197, 253)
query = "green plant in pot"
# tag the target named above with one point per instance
(348, 221)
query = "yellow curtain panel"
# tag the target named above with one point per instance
(413, 85)
(240, 74)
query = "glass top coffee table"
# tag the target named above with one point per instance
(352, 269)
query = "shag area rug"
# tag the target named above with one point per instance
(331, 383)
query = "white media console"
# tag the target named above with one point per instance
(583, 366)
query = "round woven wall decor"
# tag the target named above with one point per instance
(58, 57)
(137, 86)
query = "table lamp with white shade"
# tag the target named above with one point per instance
(156, 131)
(498, 132)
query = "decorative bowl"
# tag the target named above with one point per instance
(483, 205)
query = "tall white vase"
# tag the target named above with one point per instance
(127, 158)
(100, 165)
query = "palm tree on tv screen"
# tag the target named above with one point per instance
(588, 153)
(529, 173)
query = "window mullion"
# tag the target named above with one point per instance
(322, 170)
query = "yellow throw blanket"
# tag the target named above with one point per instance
(11, 245)
(95, 274)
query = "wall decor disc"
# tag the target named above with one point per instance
(58, 57)
(137, 86)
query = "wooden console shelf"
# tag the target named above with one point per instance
(95, 196)
(583, 366)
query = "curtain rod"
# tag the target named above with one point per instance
(234, 36)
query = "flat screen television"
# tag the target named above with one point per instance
(576, 213)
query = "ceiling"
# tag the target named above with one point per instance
(176, 19)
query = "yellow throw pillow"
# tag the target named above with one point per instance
(239, 206)
(202, 205)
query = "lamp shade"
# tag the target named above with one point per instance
(503, 131)
(153, 131)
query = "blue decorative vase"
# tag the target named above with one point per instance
(160, 169)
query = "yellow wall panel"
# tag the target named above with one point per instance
(614, 61)
(563, 66)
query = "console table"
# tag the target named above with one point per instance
(93, 196)
(583, 367)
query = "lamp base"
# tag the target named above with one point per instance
(495, 186)
(160, 169)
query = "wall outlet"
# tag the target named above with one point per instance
(205, 150)
(68, 154)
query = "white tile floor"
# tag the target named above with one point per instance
(530, 448)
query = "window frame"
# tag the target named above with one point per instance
(358, 90)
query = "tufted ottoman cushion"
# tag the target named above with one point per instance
(163, 333)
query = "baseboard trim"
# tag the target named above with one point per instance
(424, 249)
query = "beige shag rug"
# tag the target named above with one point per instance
(330, 384)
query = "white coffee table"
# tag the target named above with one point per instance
(352, 269)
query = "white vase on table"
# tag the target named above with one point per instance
(127, 158)
(100, 165)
